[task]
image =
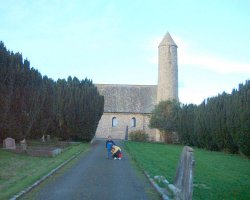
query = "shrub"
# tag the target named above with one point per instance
(139, 136)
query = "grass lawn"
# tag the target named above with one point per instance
(19, 171)
(217, 175)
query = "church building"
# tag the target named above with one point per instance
(129, 107)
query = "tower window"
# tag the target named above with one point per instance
(114, 122)
(133, 122)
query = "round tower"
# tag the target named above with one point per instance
(167, 70)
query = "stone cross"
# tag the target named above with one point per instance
(9, 143)
(184, 174)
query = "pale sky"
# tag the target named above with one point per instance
(116, 41)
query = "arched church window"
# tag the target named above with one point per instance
(114, 122)
(133, 122)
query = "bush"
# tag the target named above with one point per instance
(139, 136)
(171, 138)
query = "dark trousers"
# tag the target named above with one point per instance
(115, 155)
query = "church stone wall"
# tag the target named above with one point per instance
(123, 120)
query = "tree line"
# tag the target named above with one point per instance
(220, 123)
(32, 105)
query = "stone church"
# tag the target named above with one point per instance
(128, 107)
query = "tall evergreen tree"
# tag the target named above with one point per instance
(218, 123)
(32, 105)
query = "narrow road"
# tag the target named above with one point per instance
(95, 177)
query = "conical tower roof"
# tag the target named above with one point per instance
(167, 40)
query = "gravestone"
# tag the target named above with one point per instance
(48, 138)
(184, 174)
(9, 143)
(23, 144)
(43, 138)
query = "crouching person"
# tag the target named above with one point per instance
(116, 152)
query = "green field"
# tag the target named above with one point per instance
(19, 171)
(217, 175)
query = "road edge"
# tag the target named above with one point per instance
(27, 189)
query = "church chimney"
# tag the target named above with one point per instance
(167, 70)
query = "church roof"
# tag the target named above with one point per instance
(128, 98)
(167, 40)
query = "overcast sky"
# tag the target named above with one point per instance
(117, 41)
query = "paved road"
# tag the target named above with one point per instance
(95, 177)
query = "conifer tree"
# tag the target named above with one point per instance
(32, 105)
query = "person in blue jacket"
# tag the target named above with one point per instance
(109, 144)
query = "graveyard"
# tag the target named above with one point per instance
(42, 148)
(22, 166)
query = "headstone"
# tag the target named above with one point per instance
(184, 174)
(23, 144)
(48, 138)
(9, 143)
(56, 151)
(43, 138)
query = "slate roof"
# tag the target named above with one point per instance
(128, 98)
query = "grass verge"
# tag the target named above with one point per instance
(20, 171)
(217, 175)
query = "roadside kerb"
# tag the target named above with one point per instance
(157, 188)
